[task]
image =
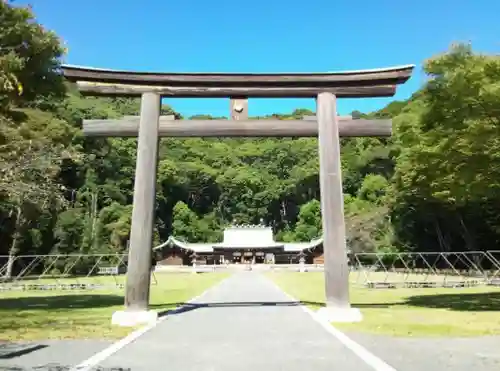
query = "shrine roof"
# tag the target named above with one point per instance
(195, 247)
(248, 245)
(301, 246)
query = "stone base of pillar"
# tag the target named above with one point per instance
(340, 315)
(127, 318)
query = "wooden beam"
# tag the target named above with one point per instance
(238, 108)
(371, 77)
(141, 233)
(242, 128)
(332, 205)
(204, 91)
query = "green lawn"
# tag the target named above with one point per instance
(30, 315)
(407, 312)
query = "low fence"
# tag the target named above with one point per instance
(430, 269)
(376, 270)
(391, 270)
(62, 272)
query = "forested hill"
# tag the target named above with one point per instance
(433, 186)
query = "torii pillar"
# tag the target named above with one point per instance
(141, 233)
(338, 308)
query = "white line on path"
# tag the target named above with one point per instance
(97, 358)
(364, 354)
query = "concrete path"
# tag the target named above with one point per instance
(244, 323)
(443, 354)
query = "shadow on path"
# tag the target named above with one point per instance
(187, 307)
(12, 350)
(58, 367)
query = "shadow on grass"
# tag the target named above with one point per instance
(70, 314)
(480, 302)
(70, 301)
(17, 116)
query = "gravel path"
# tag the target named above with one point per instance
(245, 323)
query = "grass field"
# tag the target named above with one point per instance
(31, 315)
(407, 312)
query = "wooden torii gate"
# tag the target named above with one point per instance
(325, 87)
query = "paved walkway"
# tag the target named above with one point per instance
(244, 323)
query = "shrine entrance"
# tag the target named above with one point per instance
(326, 125)
(259, 257)
(248, 257)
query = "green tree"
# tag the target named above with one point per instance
(309, 224)
(448, 166)
(29, 59)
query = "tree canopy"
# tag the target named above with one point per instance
(433, 186)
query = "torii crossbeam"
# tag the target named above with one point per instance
(325, 87)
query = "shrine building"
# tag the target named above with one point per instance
(242, 244)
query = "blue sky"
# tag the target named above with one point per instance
(267, 36)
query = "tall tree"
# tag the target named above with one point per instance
(29, 58)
